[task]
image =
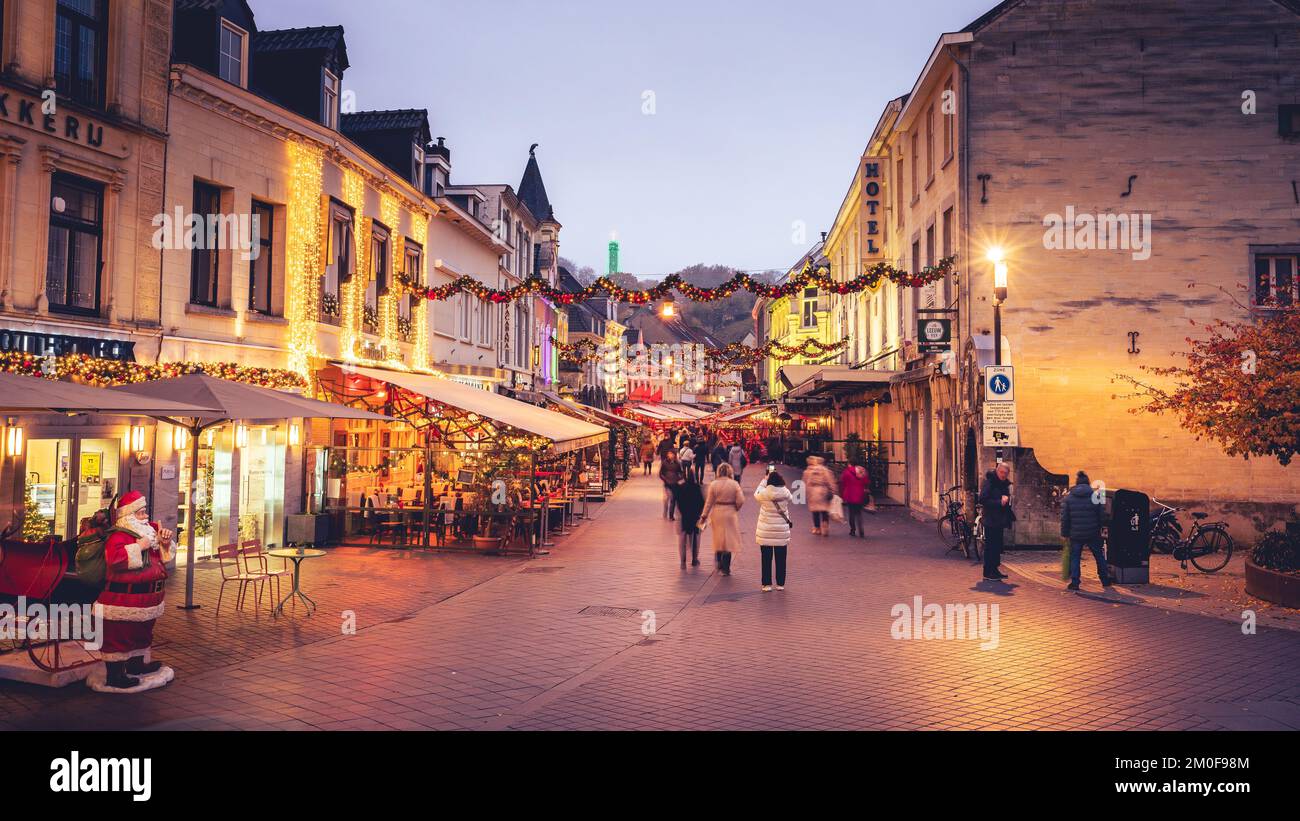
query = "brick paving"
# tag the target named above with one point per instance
(468, 642)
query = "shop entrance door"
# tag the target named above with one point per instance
(48, 488)
(98, 476)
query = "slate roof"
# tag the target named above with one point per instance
(395, 120)
(532, 191)
(198, 5)
(317, 38)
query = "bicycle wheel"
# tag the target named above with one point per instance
(1211, 550)
(950, 532)
(975, 540)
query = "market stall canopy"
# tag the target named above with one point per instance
(612, 418)
(236, 400)
(738, 414)
(661, 413)
(24, 394)
(566, 432)
(581, 411)
(829, 382)
(686, 410)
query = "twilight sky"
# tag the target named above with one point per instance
(761, 108)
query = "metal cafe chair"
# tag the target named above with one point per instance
(235, 570)
(252, 549)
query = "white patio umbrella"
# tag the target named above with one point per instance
(233, 401)
(31, 394)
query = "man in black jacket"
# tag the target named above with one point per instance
(1081, 524)
(995, 503)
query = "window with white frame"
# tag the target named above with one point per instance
(486, 312)
(232, 53)
(329, 104)
(466, 326)
(377, 284)
(413, 271)
(809, 308)
(1276, 284)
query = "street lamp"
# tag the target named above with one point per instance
(996, 257)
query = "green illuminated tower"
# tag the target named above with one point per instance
(613, 256)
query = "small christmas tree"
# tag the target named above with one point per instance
(35, 525)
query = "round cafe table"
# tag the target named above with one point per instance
(295, 555)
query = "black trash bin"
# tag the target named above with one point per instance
(1128, 540)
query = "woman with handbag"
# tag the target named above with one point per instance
(773, 530)
(721, 515)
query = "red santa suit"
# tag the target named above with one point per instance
(132, 599)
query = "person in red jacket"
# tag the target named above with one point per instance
(855, 485)
(132, 598)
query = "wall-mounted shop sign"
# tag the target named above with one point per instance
(60, 345)
(50, 117)
(871, 214)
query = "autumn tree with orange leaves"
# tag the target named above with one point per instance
(1239, 386)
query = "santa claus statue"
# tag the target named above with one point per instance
(135, 553)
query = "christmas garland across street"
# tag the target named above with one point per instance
(820, 277)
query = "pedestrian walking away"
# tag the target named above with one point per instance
(718, 456)
(647, 455)
(819, 484)
(722, 504)
(773, 530)
(995, 506)
(701, 458)
(855, 484)
(1081, 521)
(670, 473)
(737, 459)
(690, 505)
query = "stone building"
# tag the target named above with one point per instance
(1175, 121)
(83, 107)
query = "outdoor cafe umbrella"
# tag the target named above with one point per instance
(233, 400)
(28, 394)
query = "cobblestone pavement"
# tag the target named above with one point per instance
(465, 642)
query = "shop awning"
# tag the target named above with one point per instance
(606, 416)
(686, 410)
(662, 413)
(840, 381)
(581, 411)
(236, 400)
(792, 375)
(566, 432)
(25, 394)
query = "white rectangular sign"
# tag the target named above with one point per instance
(1000, 414)
(1001, 436)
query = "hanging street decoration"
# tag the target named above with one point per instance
(581, 352)
(738, 356)
(103, 373)
(820, 277)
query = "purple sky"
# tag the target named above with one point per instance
(759, 116)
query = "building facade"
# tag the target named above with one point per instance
(1040, 113)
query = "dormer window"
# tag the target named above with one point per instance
(417, 162)
(232, 56)
(329, 105)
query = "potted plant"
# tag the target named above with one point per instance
(1273, 568)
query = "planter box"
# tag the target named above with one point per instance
(488, 544)
(1270, 585)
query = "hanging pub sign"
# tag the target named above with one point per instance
(933, 335)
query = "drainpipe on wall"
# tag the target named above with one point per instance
(964, 305)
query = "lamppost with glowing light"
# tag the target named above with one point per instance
(996, 257)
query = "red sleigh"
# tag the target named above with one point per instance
(42, 573)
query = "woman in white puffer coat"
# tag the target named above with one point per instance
(773, 530)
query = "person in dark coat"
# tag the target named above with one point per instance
(701, 457)
(1081, 524)
(690, 504)
(995, 503)
(717, 456)
(670, 473)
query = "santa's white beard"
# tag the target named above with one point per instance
(143, 529)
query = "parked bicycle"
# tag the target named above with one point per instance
(955, 530)
(1207, 545)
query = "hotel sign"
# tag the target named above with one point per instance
(872, 212)
(49, 117)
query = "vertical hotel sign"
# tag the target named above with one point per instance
(872, 212)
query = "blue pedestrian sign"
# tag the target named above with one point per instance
(999, 384)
